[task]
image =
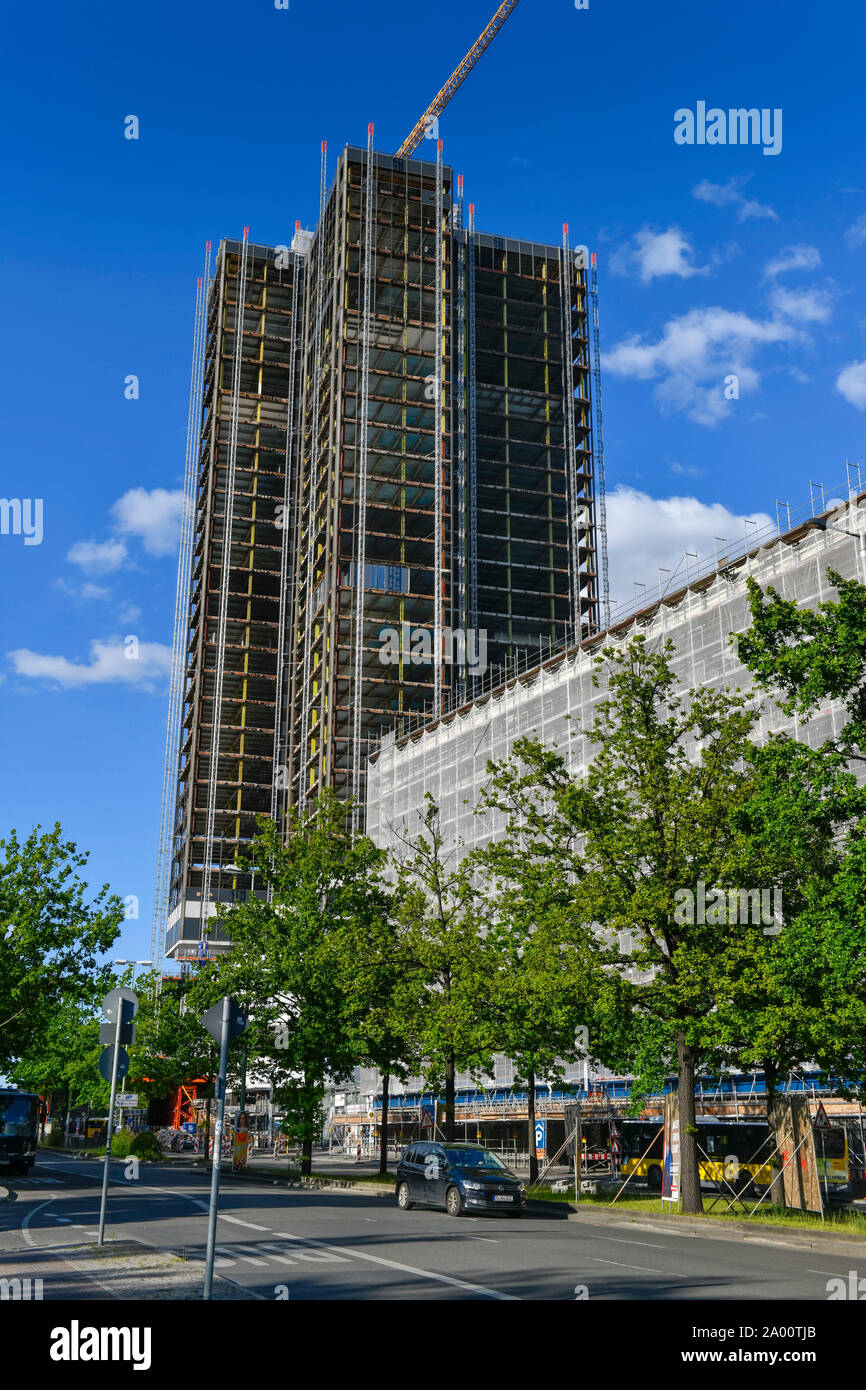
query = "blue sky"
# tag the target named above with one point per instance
(713, 260)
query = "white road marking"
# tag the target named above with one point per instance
(617, 1240)
(353, 1254)
(29, 1217)
(231, 1253)
(404, 1269)
(644, 1268)
(488, 1239)
(278, 1255)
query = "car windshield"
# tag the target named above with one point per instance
(476, 1158)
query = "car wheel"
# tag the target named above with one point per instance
(453, 1202)
(404, 1201)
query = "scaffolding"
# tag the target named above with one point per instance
(598, 453)
(180, 636)
(361, 472)
(242, 415)
(555, 697)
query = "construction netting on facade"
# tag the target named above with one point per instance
(553, 702)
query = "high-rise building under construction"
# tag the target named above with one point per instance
(393, 483)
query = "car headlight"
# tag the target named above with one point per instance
(474, 1186)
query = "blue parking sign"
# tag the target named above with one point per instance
(541, 1134)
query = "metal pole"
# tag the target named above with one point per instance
(100, 1240)
(217, 1152)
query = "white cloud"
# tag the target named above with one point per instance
(851, 383)
(153, 516)
(809, 306)
(95, 591)
(694, 355)
(98, 557)
(654, 254)
(646, 532)
(109, 665)
(800, 257)
(686, 470)
(730, 194)
(856, 233)
(751, 210)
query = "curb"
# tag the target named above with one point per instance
(8, 1195)
(714, 1229)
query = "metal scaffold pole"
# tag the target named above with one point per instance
(181, 623)
(574, 500)
(312, 491)
(472, 433)
(225, 578)
(361, 443)
(278, 780)
(438, 406)
(598, 448)
(460, 510)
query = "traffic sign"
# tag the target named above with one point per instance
(114, 998)
(108, 1032)
(106, 1061)
(127, 1100)
(189, 1126)
(541, 1134)
(821, 1120)
(213, 1020)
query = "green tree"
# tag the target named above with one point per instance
(445, 995)
(285, 965)
(373, 962)
(51, 936)
(651, 819)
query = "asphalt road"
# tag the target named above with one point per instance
(333, 1244)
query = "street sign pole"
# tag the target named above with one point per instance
(117, 1027)
(217, 1150)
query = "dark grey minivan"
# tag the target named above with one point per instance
(459, 1177)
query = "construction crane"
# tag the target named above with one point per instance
(457, 78)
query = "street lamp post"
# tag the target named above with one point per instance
(821, 524)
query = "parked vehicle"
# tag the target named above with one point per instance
(458, 1177)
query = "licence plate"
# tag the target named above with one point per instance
(503, 1199)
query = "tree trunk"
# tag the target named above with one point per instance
(383, 1134)
(307, 1156)
(690, 1180)
(533, 1152)
(68, 1113)
(450, 1088)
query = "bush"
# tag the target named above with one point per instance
(55, 1138)
(146, 1145)
(121, 1144)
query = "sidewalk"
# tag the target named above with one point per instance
(120, 1270)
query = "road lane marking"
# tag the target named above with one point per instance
(488, 1239)
(352, 1254)
(618, 1240)
(404, 1269)
(644, 1268)
(232, 1253)
(29, 1217)
(278, 1255)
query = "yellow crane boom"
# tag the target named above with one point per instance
(457, 78)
